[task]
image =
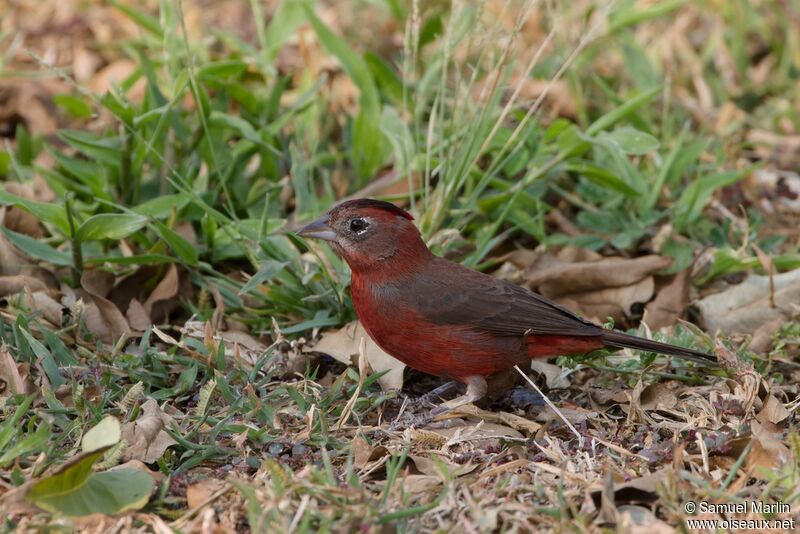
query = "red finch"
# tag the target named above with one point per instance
(447, 320)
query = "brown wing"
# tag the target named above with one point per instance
(449, 293)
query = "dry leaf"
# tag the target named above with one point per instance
(343, 344)
(17, 219)
(166, 289)
(657, 396)
(137, 316)
(670, 303)
(553, 374)
(12, 285)
(481, 434)
(198, 493)
(433, 465)
(745, 307)
(97, 282)
(145, 438)
(773, 411)
(364, 453)
(582, 280)
(17, 381)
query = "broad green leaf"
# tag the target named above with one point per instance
(619, 113)
(695, 196)
(238, 124)
(101, 149)
(110, 226)
(37, 249)
(282, 25)
(74, 490)
(163, 206)
(75, 106)
(221, 69)
(268, 270)
(47, 361)
(184, 250)
(49, 213)
(140, 17)
(77, 491)
(602, 177)
(633, 141)
(104, 434)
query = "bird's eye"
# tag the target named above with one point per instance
(358, 225)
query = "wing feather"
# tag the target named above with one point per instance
(449, 293)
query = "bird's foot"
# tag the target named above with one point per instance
(476, 389)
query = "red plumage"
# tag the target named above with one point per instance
(447, 320)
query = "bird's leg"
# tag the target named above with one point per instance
(476, 389)
(435, 393)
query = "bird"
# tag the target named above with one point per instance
(445, 319)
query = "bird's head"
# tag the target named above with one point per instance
(369, 234)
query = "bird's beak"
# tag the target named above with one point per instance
(318, 229)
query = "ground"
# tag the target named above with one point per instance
(174, 358)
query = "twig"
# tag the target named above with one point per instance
(551, 405)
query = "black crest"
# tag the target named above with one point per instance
(376, 204)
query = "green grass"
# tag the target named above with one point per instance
(227, 144)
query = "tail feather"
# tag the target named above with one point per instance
(620, 340)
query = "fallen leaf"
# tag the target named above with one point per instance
(435, 463)
(137, 316)
(597, 287)
(773, 411)
(97, 282)
(166, 289)
(145, 438)
(343, 344)
(553, 374)
(17, 219)
(745, 307)
(198, 493)
(17, 382)
(364, 453)
(481, 434)
(670, 303)
(762, 338)
(657, 396)
(12, 285)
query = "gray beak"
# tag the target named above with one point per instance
(318, 229)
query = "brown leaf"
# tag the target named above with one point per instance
(12, 285)
(773, 411)
(146, 439)
(166, 289)
(590, 276)
(364, 453)
(97, 282)
(198, 493)
(17, 381)
(343, 344)
(745, 307)
(553, 374)
(137, 316)
(19, 220)
(11, 261)
(50, 308)
(115, 324)
(657, 396)
(670, 303)
(480, 434)
(432, 465)
(761, 341)
(614, 302)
